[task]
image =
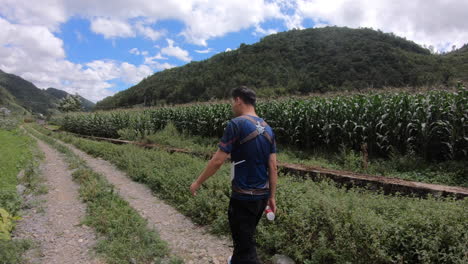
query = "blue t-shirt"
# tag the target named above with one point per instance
(251, 158)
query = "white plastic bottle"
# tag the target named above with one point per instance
(269, 213)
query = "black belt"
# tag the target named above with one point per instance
(250, 191)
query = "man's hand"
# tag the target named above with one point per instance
(272, 204)
(194, 187)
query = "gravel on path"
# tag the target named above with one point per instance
(57, 228)
(186, 240)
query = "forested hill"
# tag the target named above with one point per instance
(459, 60)
(294, 62)
(19, 95)
(59, 94)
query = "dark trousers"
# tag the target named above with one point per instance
(243, 219)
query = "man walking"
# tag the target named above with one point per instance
(251, 143)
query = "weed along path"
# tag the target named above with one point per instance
(62, 239)
(190, 242)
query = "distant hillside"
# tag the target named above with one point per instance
(294, 62)
(17, 92)
(7, 100)
(27, 94)
(59, 94)
(459, 61)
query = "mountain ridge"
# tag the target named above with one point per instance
(22, 95)
(294, 62)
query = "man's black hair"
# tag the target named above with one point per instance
(247, 95)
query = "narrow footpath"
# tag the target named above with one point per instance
(190, 242)
(57, 228)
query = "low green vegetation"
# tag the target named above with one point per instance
(316, 222)
(8, 124)
(11, 250)
(171, 137)
(7, 223)
(408, 167)
(126, 236)
(18, 152)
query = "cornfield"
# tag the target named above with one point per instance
(432, 125)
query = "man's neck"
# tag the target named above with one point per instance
(249, 111)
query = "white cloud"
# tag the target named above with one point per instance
(104, 69)
(156, 65)
(293, 21)
(435, 22)
(130, 73)
(174, 51)
(210, 19)
(203, 19)
(35, 54)
(134, 51)
(260, 31)
(148, 32)
(228, 49)
(30, 39)
(151, 60)
(440, 23)
(47, 13)
(208, 50)
(162, 66)
(111, 28)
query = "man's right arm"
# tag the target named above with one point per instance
(225, 147)
(273, 178)
(213, 165)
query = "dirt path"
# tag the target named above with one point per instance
(190, 242)
(57, 228)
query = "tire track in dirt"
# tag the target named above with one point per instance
(190, 242)
(61, 237)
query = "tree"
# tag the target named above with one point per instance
(71, 103)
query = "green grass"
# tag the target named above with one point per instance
(9, 124)
(126, 236)
(11, 251)
(170, 136)
(15, 155)
(408, 167)
(17, 152)
(316, 222)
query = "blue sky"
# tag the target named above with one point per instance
(97, 48)
(82, 45)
